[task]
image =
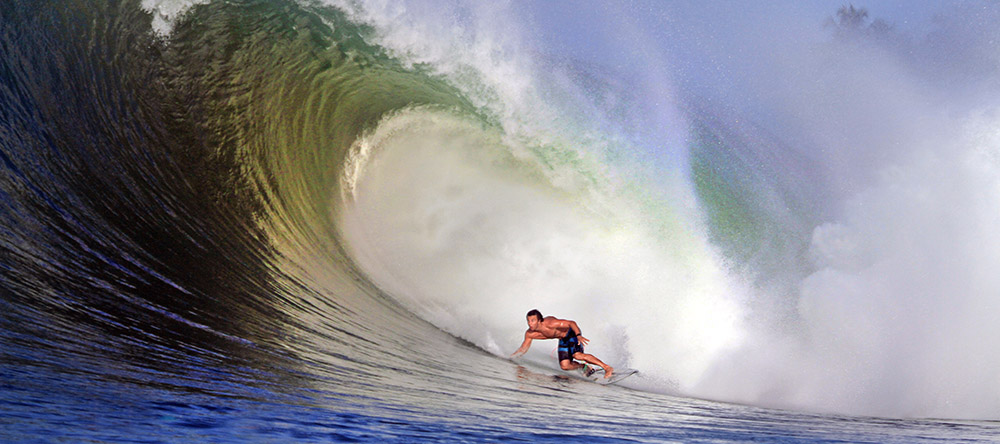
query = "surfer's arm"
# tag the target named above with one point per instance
(524, 346)
(579, 334)
(576, 328)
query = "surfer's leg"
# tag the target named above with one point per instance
(591, 359)
(569, 364)
(566, 361)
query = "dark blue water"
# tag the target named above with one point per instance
(523, 406)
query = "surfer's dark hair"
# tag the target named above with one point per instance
(535, 313)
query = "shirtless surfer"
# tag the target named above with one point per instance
(571, 342)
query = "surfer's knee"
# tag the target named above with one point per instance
(566, 364)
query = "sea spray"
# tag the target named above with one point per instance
(849, 338)
(447, 220)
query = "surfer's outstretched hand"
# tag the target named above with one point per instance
(583, 340)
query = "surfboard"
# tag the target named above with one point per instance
(619, 374)
(596, 377)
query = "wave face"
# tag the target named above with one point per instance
(266, 220)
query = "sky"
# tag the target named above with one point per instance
(594, 32)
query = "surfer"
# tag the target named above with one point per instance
(571, 342)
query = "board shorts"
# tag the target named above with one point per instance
(569, 346)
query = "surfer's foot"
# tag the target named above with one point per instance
(607, 371)
(588, 370)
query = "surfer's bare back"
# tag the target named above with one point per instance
(571, 342)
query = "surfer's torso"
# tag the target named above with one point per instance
(550, 328)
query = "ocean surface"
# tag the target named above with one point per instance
(302, 221)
